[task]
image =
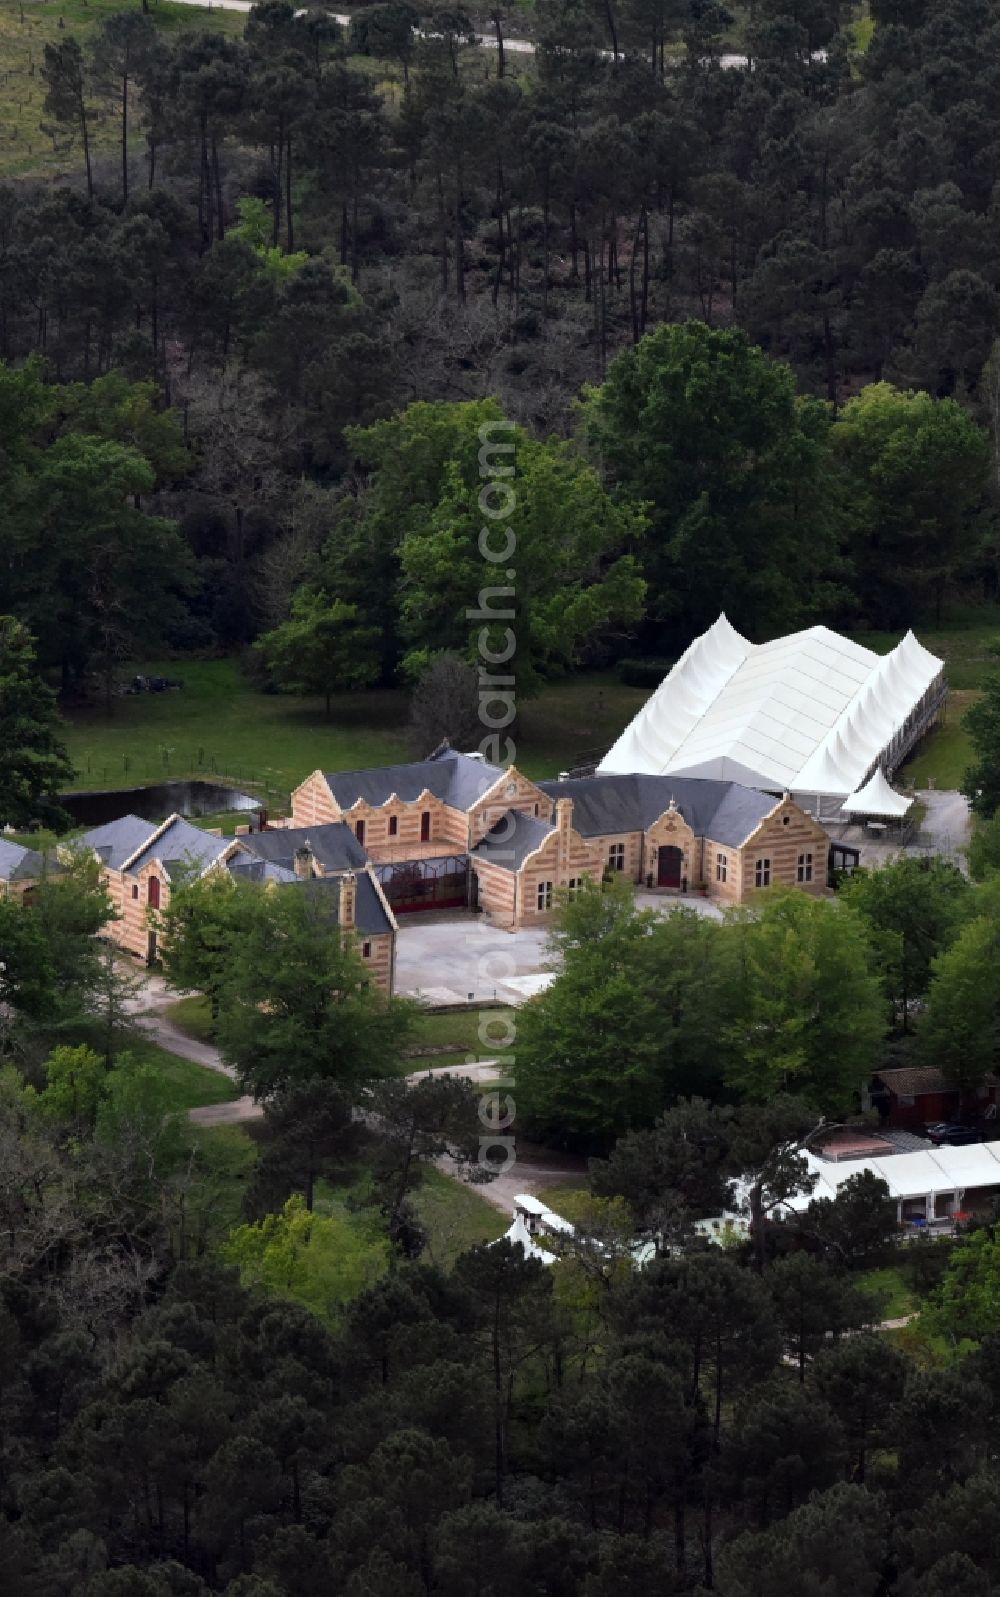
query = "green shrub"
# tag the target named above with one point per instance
(643, 673)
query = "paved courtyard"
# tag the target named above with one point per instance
(945, 830)
(463, 959)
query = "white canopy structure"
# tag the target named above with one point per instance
(877, 798)
(811, 714)
(913, 1178)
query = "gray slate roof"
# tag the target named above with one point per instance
(724, 811)
(455, 778)
(116, 840)
(514, 837)
(18, 862)
(249, 869)
(369, 913)
(179, 846)
(334, 845)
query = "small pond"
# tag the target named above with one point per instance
(155, 802)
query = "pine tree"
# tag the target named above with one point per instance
(34, 762)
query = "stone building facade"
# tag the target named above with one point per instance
(142, 862)
(505, 845)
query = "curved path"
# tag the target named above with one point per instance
(534, 1169)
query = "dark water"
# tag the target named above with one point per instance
(155, 802)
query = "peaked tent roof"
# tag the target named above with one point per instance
(876, 798)
(807, 713)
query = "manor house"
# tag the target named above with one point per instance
(453, 831)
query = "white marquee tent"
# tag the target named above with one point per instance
(926, 1174)
(811, 714)
(877, 798)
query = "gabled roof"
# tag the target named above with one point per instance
(178, 846)
(456, 779)
(18, 863)
(246, 868)
(370, 914)
(334, 845)
(913, 1081)
(724, 811)
(512, 839)
(807, 713)
(116, 841)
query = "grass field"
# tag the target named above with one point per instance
(945, 755)
(455, 1215)
(193, 1016)
(219, 723)
(890, 1290)
(191, 1086)
(26, 27)
(459, 1033)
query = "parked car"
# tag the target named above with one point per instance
(952, 1133)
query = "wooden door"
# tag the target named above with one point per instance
(670, 867)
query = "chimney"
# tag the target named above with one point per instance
(564, 816)
(304, 861)
(347, 904)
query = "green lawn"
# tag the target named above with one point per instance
(191, 1086)
(26, 26)
(456, 1215)
(946, 753)
(459, 1033)
(218, 723)
(890, 1290)
(194, 1016)
(227, 1155)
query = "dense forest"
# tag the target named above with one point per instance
(301, 1399)
(268, 327)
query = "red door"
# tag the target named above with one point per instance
(670, 866)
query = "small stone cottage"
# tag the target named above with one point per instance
(143, 861)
